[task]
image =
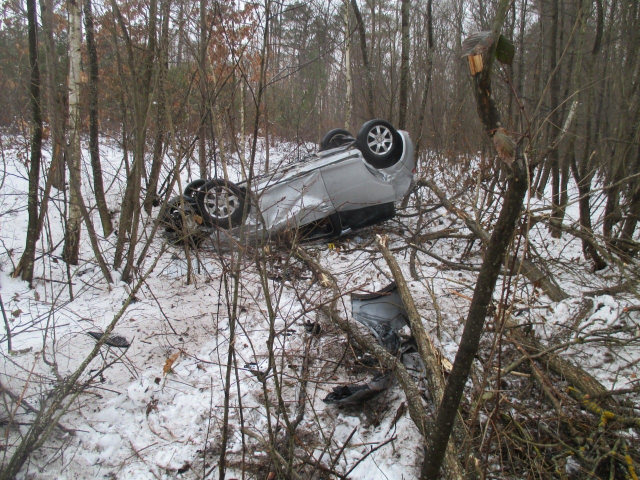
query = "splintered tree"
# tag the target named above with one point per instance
(481, 52)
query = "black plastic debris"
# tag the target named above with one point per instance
(384, 314)
(351, 394)
(117, 341)
(313, 328)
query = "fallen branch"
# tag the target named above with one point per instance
(529, 269)
(575, 375)
(605, 415)
(428, 352)
(457, 266)
(627, 287)
(414, 399)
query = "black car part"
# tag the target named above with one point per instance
(336, 138)
(384, 314)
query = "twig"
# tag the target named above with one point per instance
(389, 440)
(529, 269)
(16, 398)
(448, 263)
(267, 445)
(6, 324)
(605, 415)
(344, 445)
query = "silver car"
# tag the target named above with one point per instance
(349, 183)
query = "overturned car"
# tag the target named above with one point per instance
(349, 183)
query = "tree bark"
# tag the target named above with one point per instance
(404, 65)
(74, 222)
(28, 256)
(94, 142)
(365, 58)
(55, 99)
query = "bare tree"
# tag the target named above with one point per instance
(404, 65)
(55, 101)
(141, 92)
(481, 66)
(365, 58)
(28, 256)
(74, 220)
(94, 142)
(161, 112)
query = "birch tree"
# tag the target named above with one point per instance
(74, 218)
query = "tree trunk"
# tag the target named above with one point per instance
(94, 144)
(28, 257)
(347, 67)
(404, 66)
(202, 130)
(74, 222)
(583, 181)
(130, 215)
(158, 146)
(428, 74)
(625, 241)
(554, 158)
(55, 99)
(583, 173)
(365, 58)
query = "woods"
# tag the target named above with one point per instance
(515, 249)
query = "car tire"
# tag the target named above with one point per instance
(380, 144)
(221, 203)
(335, 138)
(192, 188)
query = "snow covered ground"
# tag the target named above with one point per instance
(157, 409)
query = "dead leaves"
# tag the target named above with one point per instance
(505, 146)
(168, 364)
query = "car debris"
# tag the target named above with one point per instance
(358, 393)
(384, 314)
(113, 340)
(350, 183)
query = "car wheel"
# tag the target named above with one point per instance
(192, 188)
(335, 138)
(172, 219)
(380, 143)
(221, 203)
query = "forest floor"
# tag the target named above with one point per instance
(157, 409)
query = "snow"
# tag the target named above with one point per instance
(140, 420)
